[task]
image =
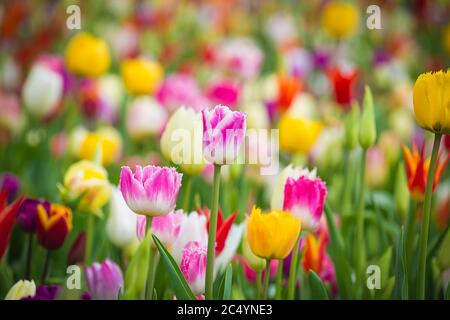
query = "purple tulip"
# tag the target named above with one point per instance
(104, 281)
(44, 292)
(27, 215)
(11, 183)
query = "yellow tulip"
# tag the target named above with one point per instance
(108, 139)
(87, 55)
(432, 101)
(141, 76)
(298, 134)
(21, 289)
(340, 19)
(87, 182)
(272, 235)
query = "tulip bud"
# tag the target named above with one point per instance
(77, 252)
(104, 281)
(401, 193)
(367, 130)
(21, 289)
(352, 127)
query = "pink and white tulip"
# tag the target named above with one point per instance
(223, 134)
(193, 228)
(193, 266)
(166, 228)
(150, 191)
(304, 198)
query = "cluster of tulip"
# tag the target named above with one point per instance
(124, 153)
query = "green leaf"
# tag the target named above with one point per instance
(385, 265)
(317, 289)
(228, 282)
(401, 272)
(339, 256)
(176, 279)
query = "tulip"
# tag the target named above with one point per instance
(121, 223)
(223, 134)
(141, 76)
(193, 266)
(223, 93)
(272, 235)
(7, 218)
(12, 119)
(181, 141)
(431, 101)
(288, 88)
(77, 251)
(180, 89)
(192, 229)
(104, 281)
(277, 199)
(87, 183)
(417, 168)
(44, 292)
(11, 183)
(87, 55)
(304, 198)
(166, 228)
(343, 84)
(53, 225)
(21, 289)
(292, 128)
(139, 112)
(42, 91)
(97, 100)
(230, 247)
(340, 19)
(367, 129)
(152, 190)
(108, 139)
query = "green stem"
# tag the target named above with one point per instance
(423, 240)
(29, 256)
(89, 237)
(266, 279)
(279, 280)
(152, 264)
(187, 193)
(212, 235)
(46, 266)
(359, 236)
(348, 187)
(258, 284)
(293, 271)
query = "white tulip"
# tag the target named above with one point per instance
(145, 118)
(121, 224)
(42, 90)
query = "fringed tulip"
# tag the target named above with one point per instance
(53, 225)
(152, 190)
(193, 266)
(305, 198)
(193, 228)
(104, 281)
(223, 134)
(272, 235)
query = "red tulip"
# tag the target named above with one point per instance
(343, 83)
(7, 218)
(53, 226)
